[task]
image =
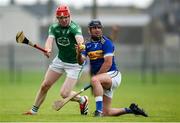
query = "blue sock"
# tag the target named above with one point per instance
(128, 110)
(99, 106)
(99, 103)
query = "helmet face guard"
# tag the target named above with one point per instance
(94, 24)
(63, 11)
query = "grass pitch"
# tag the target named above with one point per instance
(161, 100)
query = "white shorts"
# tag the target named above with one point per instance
(72, 70)
(116, 80)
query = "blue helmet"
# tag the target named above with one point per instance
(94, 23)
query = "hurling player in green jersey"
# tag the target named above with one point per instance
(65, 33)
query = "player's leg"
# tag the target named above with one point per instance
(108, 95)
(73, 73)
(99, 82)
(67, 87)
(108, 111)
(107, 98)
(104, 84)
(49, 79)
(52, 74)
(66, 90)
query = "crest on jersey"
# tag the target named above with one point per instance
(63, 41)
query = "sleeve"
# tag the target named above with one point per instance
(108, 48)
(51, 32)
(77, 31)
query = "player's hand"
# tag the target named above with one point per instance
(79, 48)
(79, 57)
(48, 53)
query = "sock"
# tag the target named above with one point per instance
(99, 103)
(34, 109)
(128, 110)
(82, 99)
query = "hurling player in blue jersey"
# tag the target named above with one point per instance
(105, 75)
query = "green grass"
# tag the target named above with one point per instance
(161, 100)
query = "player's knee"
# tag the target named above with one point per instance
(94, 80)
(64, 94)
(106, 112)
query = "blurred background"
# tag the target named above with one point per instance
(146, 33)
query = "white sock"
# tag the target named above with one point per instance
(33, 112)
(82, 100)
(34, 109)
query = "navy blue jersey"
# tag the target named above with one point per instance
(96, 51)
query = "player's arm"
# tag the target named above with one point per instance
(48, 45)
(108, 50)
(49, 41)
(79, 39)
(78, 34)
(106, 65)
(79, 47)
